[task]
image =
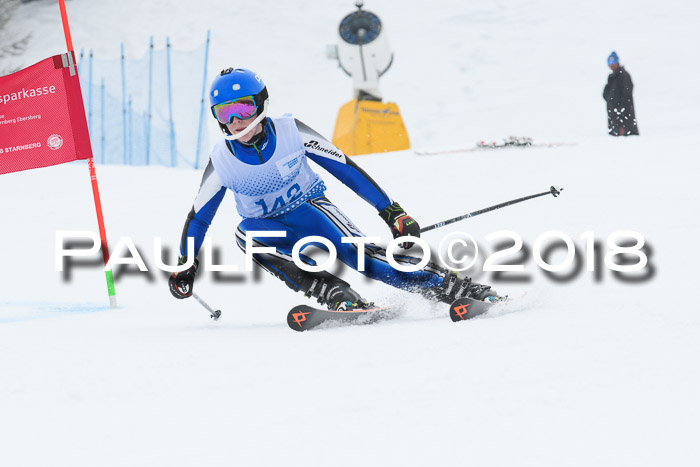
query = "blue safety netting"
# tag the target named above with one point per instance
(147, 111)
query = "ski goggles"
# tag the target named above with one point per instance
(243, 108)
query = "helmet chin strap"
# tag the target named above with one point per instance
(250, 127)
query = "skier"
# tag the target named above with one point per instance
(264, 161)
(618, 95)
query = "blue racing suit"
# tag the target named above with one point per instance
(276, 189)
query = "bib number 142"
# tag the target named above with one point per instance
(293, 193)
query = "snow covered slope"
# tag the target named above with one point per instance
(592, 370)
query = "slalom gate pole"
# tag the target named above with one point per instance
(93, 178)
(214, 313)
(553, 190)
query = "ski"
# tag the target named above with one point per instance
(512, 142)
(466, 308)
(304, 317)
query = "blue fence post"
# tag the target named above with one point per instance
(131, 133)
(150, 102)
(90, 93)
(80, 68)
(173, 157)
(201, 109)
(102, 118)
(124, 102)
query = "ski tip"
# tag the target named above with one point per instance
(303, 318)
(464, 308)
(296, 319)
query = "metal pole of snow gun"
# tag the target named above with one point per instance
(553, 190)
(214, 313)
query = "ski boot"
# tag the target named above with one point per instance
(453, 287)
(336, 294)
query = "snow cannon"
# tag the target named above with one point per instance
(366, 125)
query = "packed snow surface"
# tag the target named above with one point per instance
(592, 369)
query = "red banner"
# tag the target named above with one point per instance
(42, 118)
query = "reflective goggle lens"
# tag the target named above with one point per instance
(243, 108)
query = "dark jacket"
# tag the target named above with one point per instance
(618, 95)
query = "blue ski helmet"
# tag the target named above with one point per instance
(235, 83)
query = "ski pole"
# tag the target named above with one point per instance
(553, 190)
(214, 313)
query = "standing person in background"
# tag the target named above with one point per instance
(618, 96)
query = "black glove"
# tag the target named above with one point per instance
(400, 223)
(181, 283)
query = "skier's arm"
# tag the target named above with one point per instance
(325, 154)
(608, 87)
(211, 192)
